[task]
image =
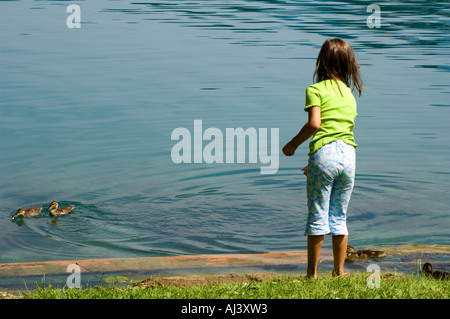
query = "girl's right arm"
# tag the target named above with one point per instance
(308, 130)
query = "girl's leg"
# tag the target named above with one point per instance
(314, 246)
(339, 200)
(339, 253)
(340, 197)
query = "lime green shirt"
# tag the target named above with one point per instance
(337, 111)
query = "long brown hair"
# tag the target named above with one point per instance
(336, 61)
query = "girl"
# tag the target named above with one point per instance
(330, 172)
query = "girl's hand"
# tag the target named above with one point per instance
(289, 149)
(305, 170)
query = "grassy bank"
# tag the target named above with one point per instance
(353, 286)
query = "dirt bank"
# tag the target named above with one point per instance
(191, 280)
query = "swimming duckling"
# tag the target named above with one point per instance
(55, 211)
(28, 212)
(438, 274)
(352, 253)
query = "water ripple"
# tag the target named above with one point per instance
(401, 24)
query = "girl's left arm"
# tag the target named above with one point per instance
(308, 130)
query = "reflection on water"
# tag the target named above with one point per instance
(86, 117)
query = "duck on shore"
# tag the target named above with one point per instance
(438, 274)
(352, 253)
(58, 211)
(27, 212)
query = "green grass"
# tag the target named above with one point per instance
(281, 287)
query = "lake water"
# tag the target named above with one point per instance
(86, 117)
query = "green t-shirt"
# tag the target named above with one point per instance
(338, 113)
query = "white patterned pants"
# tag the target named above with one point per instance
(330, 180)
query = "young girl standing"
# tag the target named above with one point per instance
(330, 173)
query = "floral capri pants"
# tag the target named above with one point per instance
(330, 180)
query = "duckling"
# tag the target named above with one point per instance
(55, 211)
(350, 250)
(352, 253)
(438, 274)
(27, 212)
